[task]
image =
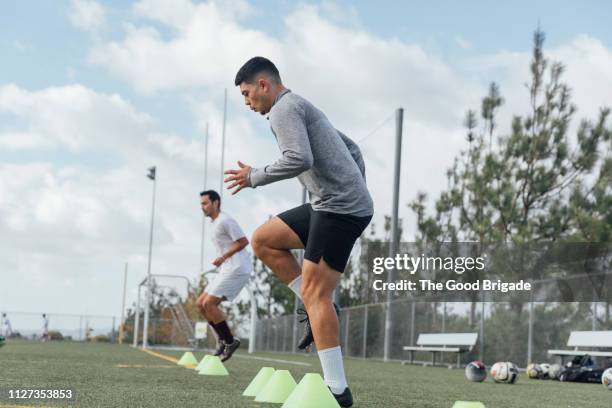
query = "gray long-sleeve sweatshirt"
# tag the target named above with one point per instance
(325, 161)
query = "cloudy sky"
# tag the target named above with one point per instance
(93, 93)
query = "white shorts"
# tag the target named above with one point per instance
(227, 285)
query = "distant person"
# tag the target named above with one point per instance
(234, 264)
(45, 328)
(5, 328)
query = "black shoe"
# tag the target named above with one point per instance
(308, 338)
(229, 349)
(345, 399)
(220, 348)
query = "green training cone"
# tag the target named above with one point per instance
(213, 366)
(278, 388)
(258, 382)
(188, 359)
(199, 366)
(468, 404)
(311, 392)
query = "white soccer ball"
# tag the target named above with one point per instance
(533, 370)
(544, 371)
(606, 379)
(554, 371)
(505, 372)
(476, 371)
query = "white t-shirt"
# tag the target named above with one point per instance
(226, 231)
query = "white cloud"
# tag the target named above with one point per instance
(206, 50)
(463, 43)
(78, 221)
(588, 73)
(87, 15)
(20, 45)
(71, 117)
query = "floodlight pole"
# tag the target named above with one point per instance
(530, 331)
(393, 249)
(145, 334)
(482, 324)
(122, 322)
(204, 187)
(253, 335)
(223, 141)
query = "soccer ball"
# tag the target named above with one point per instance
(476, 371)
(505, 372)
(606, 379)
(554, 371)
(545, 371)
(533, 370)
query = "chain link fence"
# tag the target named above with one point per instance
(28, 325)
(503, 328)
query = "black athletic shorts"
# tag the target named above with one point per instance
(324, 234)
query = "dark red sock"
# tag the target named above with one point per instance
(224, 332)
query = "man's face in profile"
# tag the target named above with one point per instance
(256, 95)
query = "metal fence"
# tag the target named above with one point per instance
(74, 327)
(504, 329)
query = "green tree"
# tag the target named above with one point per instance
(539, 182)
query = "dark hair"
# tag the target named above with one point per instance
(212, 195)
(255, 66)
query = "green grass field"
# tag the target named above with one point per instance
(107, 375)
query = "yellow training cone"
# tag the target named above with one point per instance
(199, 366)
(213, 366)
(278, 388)
(311, 392)
(468, 404)
(260, 380)
(187, 360)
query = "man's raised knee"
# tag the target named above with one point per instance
(258, 241)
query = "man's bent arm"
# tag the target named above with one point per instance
(237, 246)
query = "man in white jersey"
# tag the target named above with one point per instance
(234, 265)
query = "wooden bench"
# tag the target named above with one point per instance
(592, 339)
(443, 343)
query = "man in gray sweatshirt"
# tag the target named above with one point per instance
(329, 165)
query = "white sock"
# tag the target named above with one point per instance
(333, 369)
(295, 286)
